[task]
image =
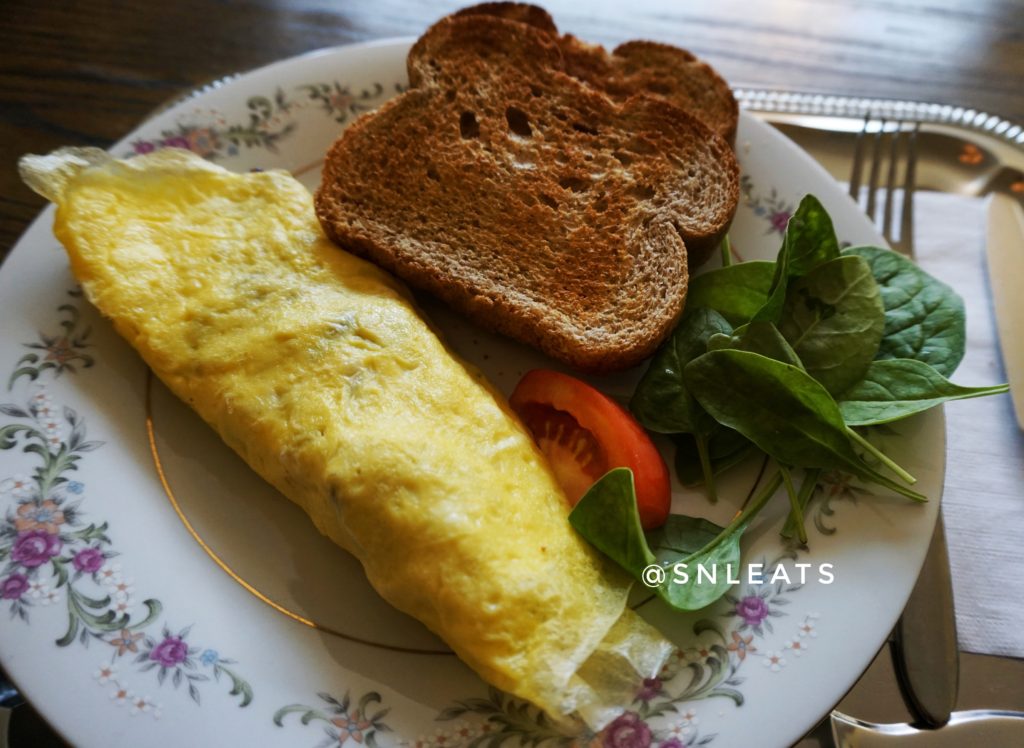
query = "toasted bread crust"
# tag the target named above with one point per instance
(658, 69)
(528, 200)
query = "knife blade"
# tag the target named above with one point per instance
(924, 646)
(1004, 245)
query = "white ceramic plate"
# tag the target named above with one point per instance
(155, 592)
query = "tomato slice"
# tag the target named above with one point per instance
(584, 434)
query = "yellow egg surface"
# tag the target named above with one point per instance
(316, 368)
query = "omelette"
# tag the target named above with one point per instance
(317, 369)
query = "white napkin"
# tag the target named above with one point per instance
(983, 501)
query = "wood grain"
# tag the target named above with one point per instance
(88, 72)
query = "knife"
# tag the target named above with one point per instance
(924, 644)
(1005, 247)
(973, 728)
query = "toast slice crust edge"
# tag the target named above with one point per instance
(637, 66)
(605, 296)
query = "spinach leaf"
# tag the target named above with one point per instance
(809, 241)
(898, 387)
(834, 319)
(924, 318)
(736, 291)
(661, 402)
(725, 449)
(758, 337)
(720, 558)
(784, 411)
(608, 518)
(680, 537)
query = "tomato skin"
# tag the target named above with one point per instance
(622, 441)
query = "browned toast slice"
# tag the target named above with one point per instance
(635, 67)
(528, 200)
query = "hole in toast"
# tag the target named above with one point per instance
(642, 191)
(548, 200)
(468, 126)
(581, 127)
(601, 205)
(624, 158)
(518, 122)
(535, 91)
(450, 94)
(576, 184)
(659, 87)
(432, 174)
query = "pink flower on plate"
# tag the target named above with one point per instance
(88, 560)
(176, 141)
(170, 652)
(35, 547)
(14, 586)
(649, 690)
(752, 609)
(779, 220)
(627, 731)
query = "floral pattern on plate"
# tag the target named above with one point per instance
(50, 555)
(771, 206)
(271, 119)
(664, 711)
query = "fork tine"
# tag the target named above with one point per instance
(858, 161)
(876, 158)
(890, 183)
(906, 244)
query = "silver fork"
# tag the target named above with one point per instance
(924, 643)
(902, 142)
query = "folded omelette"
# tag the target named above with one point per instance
(317, 369)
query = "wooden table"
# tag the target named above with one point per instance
(88, 72)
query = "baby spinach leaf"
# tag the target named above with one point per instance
(720, 558)
(809, 241)
(898, 387)
(924, 318)
(783, 410)
(725, 449)
(608, 518)
(758, 337)
(661, 402)
(834, 319)
(680, 537)
(736, 292)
